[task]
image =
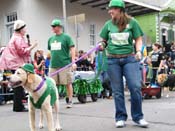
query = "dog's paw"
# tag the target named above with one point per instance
(41, 126)
(58, 128)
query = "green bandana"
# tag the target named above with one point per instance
(102, 63)
(49, 91)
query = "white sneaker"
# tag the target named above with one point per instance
(69, 105)
(142, 123)
(120, 124)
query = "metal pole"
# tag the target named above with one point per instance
(64, 16)
(76, 31)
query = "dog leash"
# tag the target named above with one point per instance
(65, 67)
(40, 85)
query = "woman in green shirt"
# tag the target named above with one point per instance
(118, 35)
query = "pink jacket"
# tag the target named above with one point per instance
(15, 54)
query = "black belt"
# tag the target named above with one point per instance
(119, 55)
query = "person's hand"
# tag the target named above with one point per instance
(148, 61)
(159, 71)
(138, 55)
(74, 67)
(43, 62)
(101, 46)
(34, 44)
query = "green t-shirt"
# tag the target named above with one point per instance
(120, 42)
(59, 46)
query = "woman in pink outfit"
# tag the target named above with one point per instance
(15, 55)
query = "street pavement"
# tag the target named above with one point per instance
(97, 116)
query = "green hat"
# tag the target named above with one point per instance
(28, 67)
(116, 3)
(56, 22)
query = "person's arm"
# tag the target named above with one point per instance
(161, 65)
(103, 44)
(138, 45)
(30, 48)
(138, 42)
(37, 66)
(162, 62)
(22, 48)
(72, 51)
(104, 34)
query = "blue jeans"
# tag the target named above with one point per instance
(130, 68)
(153, 80)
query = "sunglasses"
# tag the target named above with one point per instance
(53, 26)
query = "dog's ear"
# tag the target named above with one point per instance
(30, 78)
(159, 78)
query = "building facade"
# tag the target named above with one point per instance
(83, 22)
(38, 15)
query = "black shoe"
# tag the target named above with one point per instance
(23, 110)
(2, 102)
(67, 100)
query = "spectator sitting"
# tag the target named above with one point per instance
(83, 65)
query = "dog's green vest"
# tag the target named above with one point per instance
(49, 91)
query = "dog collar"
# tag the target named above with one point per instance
(40, 85)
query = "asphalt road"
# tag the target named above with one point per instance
(97, 116)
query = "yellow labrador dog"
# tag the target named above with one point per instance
(43, 94)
